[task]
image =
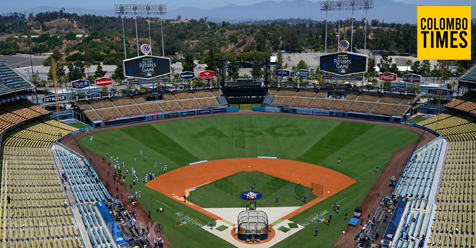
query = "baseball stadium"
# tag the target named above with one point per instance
(238, 163)
(188, 169)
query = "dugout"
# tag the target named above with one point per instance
(252, 225)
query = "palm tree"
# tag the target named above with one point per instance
(409, 63)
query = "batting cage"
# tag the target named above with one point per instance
(317, 190)
(300, 191)
(252, 225)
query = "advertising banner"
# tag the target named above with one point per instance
(146, 67)
(304, 111)
(207, 74)
(186, 113)
(79, 84)
(387, 76)
(412, 78)
(171, 115)
(204, 111)
(320, 112)
(337, 114)
(219, 110)
(443, 92)
(287, 110)
(347, 78)
(47, 99)
(187, 75)
(302, 73)
(103, 82)
(272, 109)
(282, 73)
(343, 63)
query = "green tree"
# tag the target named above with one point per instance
(409, 64)
(188, 64)
(99, 72)
(118, 75)
(256, 70)
(279, 61)
(302, 65)
(211, 60)
(233, 69)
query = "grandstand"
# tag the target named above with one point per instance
(35, 216)
(123, 107)
(11, 82)
(455, 218)
(371, 103)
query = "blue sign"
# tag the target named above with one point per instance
(444, 92)
(204, 111)
(397, 216)
(146, 67)
(251, 196)
(110, 223)
(79, 84)
(282, 73)
(53, 98)
(302, 73)
(219, 110)
(187, 75)
(411, 78)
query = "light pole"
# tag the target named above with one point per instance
(325, 7)
(162, 10)
(338, 5)
(137, 34)
(138, 10)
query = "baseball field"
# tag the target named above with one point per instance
(361, 147)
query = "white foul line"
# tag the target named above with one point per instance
(370, 170)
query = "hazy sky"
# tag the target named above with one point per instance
(21, 5)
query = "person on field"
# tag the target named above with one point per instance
(91, 139)
(338, 160)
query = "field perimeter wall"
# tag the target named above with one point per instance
(332, 113)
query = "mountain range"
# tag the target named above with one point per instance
(386, 11)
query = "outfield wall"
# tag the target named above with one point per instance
(155, 116)
(331, 113)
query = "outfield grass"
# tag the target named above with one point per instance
(420, 118)
(226, 192)
(76, 124)
(360, 146)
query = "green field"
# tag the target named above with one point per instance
(420, 118)
(226, 191)
(360, 146)
(77, 124)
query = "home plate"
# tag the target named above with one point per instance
(231, 214)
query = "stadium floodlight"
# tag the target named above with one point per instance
(141, 9)
(338, 5)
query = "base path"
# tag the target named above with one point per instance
(176, 183)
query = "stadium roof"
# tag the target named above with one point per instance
(11, 82)
(469, 76)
